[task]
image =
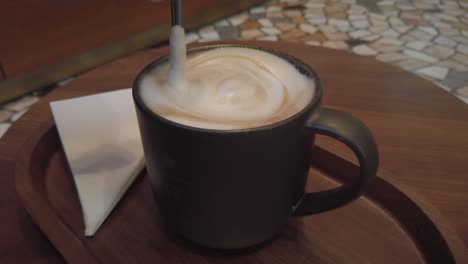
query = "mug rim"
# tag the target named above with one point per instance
(315, 102)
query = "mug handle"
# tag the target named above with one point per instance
(353, 133)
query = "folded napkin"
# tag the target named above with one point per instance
(100, 136)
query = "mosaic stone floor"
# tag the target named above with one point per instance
(426, 37)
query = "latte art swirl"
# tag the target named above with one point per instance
(229, 88)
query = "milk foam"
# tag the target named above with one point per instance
(228, 88)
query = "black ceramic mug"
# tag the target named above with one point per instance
(237, 188)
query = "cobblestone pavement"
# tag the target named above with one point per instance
(425, 37)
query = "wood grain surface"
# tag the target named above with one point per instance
(36, 34)
(40, 33)
(384, 226)
(420, 130)
(2, 72)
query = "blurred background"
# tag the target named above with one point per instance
(44, 44)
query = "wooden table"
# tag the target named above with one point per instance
(420, 129)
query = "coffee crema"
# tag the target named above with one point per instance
(229, 88)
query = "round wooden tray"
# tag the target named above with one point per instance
(419, 128)
(389, 224)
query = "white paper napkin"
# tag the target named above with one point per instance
(100, 136)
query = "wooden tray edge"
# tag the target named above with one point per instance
(414, 204)
(27, 190)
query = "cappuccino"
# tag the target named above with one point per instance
(228, 88)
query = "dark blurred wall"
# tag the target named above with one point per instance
(35, 33)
